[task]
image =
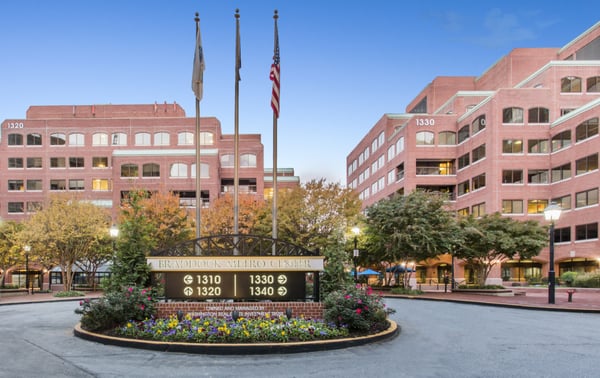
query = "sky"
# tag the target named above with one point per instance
(344, 63)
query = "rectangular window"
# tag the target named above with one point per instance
(100, 184)
(510, 176)
(561, 140)
(478, 210)
(34, 185)
(537, 176)
(34, 139)
(58, 162)
(586, 231)
(512, 206)
(15, 185)
(561, 173)
(478, 181)
(58, 184)
(100, 162)
(463, 188)
(15, 207)
(76, 184)
(564, 202)
(33, 206)
(586, 164)
(463, 161)
(34, 162)
(464, 211)
(478, 153)
(512, 146)
(562, 235)
(536, 206)
(15, 162)
(586, 198)
(76, 162)
(538, 146)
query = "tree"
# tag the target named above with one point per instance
(11, 251)
(218, 218)
(409, 228)
(65, 231)
(493, 238)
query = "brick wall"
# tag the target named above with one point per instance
(310, 310)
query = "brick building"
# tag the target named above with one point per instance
(513, 140)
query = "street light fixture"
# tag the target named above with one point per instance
(114, 234)
(356, 252)
(552, 213)
(27, 249)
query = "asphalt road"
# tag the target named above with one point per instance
(438, 339)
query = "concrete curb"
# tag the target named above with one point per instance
(239, 349)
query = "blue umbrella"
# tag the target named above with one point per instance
(368, 272)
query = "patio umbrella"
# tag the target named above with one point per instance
(368, 272)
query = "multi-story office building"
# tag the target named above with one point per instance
(513, 140)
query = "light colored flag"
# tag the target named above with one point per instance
(198, 72)
(238, 47)
(274, 75)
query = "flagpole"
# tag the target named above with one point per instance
(236, 137)
(197, 82)
(275, 95)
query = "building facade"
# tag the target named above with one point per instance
(513, 140)
(101, 152)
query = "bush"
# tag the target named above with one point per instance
(568, 278)
(587, 280)
(357, 309)
(68, 294)
(406, 291)
(482, 287)
(116, 308)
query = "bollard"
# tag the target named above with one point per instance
(570, 293)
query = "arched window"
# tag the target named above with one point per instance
(15, 139)
(425, 138)
(561, 140)
(478, 124)
(570, 84)
(76, 139)
(512, 115)
(248, 160)
(150, 170)
(206, 138)
(179, 170)
(586, 129)
(119, 139)
(129, 170)
(538, 115)
(100, 139)
(142, 139)
(593, 84)
(447, 138)
(58, 139)
(204, 171)
(227, 161)
(161, 139)
(185, 138)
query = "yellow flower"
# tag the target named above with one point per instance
(267, 315)
(129, 325)
(282, 333)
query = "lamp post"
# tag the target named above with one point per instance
(114, 234)
(27, 248)
(355, 252)
(551, 213)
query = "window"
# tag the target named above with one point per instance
(391, 177)
(512, 115)
(510, 176)
(463, 188)
(570, 84)
(76, 139)
(561, 140)
(381, 138)
(464, 161)
(538, 146)
(586, 198)
(447, 138)
(161, 139)
(586, 129)
(564, 202)
(561, 173)
(562, 235)
(400, 172)
(478, 153)
(512, 206)
(367, 153)
(536, 206)
(100, 184)
(512, 146)
(565, 111)
(76, 162)
(142, 139)
(537, 176)
(204, 171)
(586, 164)
(248, 160)
(478, 124)
(100, 162)
(593, 84)
(119, 139)
(15, 207)
(100, 139)
(434, 167)
(400, 145)
(391, 152)
(463, 212)
(33, 206)
(150, 170)
(586, 231)
(478, 210)
(478, 181)
(206, 138)
(34, 162)
(15, 162)
(16, 185)
(58, 139)
(58, 184)
(34, 139)
(178, 170)
(34, 185)
(76, 184)
(129, 170)
(15, 139)
(227, 161)
(463, 134)
(185, 139)
(425, 138)
(538, 115)
(58, 162)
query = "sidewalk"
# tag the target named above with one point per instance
(583, 300)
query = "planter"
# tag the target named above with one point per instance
(493, 292)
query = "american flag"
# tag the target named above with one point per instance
(275, 74)
(198, 71)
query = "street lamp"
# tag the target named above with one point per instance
(356, 252)
(114, 234)
(551, 213)
(27, 248)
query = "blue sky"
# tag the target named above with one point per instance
(344, 63)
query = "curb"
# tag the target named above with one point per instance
(239, 349)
